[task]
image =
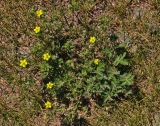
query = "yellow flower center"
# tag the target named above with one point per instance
(39, 12)
(48, 105)
(37, 29)
(96, 61)
(92, 39)
(46, 56)
(23, 63)
(50, 85)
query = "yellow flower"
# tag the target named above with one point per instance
(37, 29)
(23, 63)
(96, 61)
(46, 56)
(50, 85)
(48, 105)
(39, 12)
(92, 39)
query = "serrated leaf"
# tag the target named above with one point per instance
(120, 60)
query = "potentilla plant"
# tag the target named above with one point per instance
(80, 66)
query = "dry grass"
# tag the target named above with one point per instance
(19, 105)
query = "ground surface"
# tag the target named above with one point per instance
(141, 20)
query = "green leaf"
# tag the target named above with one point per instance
(44, 68)
(120, 60)
(108, 52)
(126, 79)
